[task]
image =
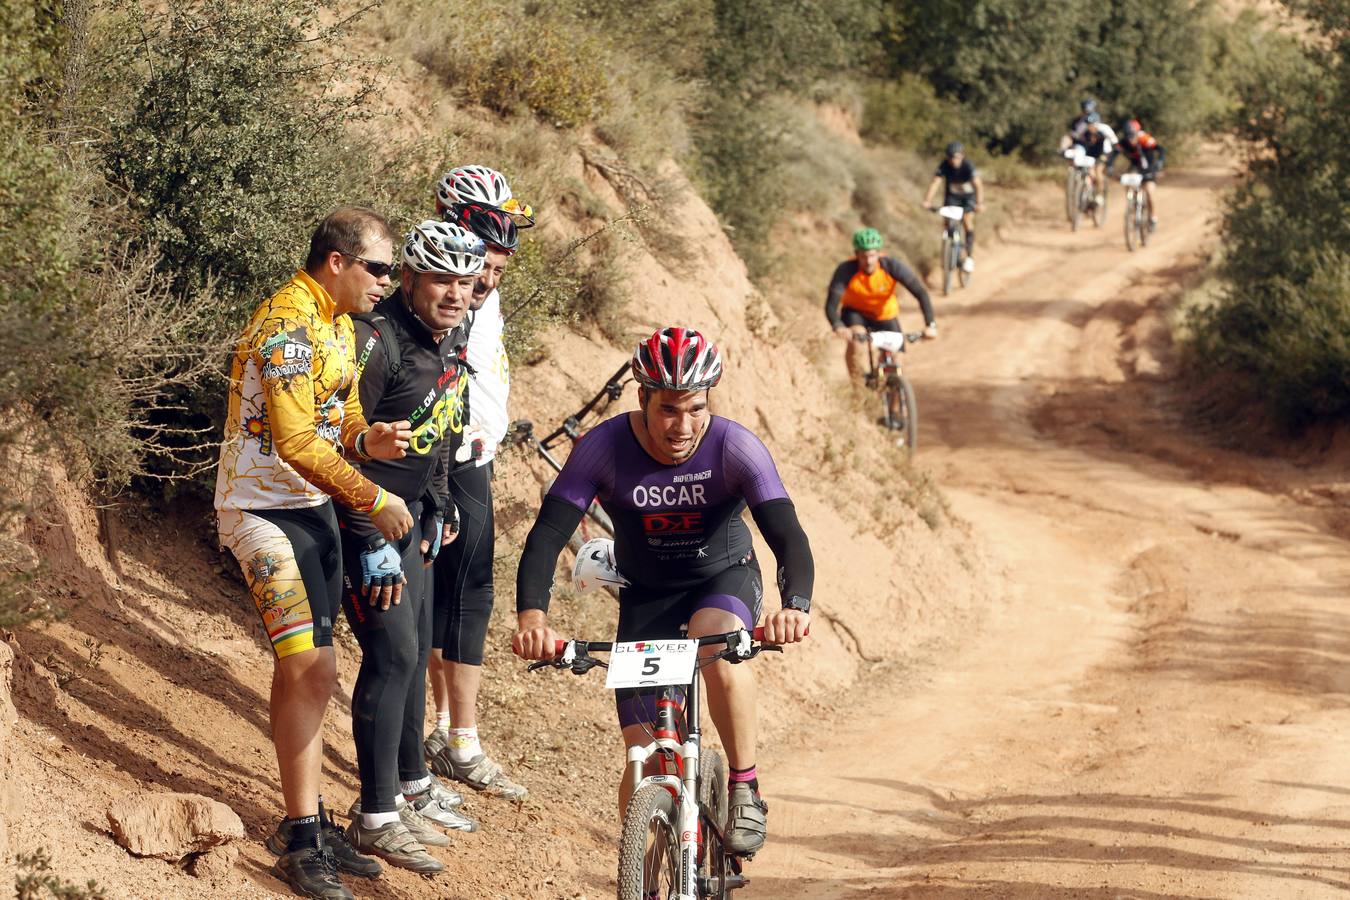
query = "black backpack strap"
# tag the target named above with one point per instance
(382, 330)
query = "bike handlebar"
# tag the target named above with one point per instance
(571, 426)
(757, 634)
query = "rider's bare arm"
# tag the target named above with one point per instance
(932, 189)
(905, 275)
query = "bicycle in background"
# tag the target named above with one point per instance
(1136, 211)
(1081, 196)
(521, 432)
(673, 843)
(953, 247)
(899, 409)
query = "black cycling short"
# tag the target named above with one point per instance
(646, 615)
(965, 201)
(463, 588)
(1149, 174)
(852, 317)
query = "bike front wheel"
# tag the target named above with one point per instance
(712, 799)
(948, 250)
(1099, 210)
(902, 411)
(649, 847)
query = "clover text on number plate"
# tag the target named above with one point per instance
(651, 663)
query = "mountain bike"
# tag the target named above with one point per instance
(1081, 194)
(521, 433)
(953, 246)
(899, 409)
(672, 844)
(1136, 210)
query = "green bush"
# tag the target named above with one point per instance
(908, 113)
(36, 881)
(228, 127)
(509, 57)
(1282, 325)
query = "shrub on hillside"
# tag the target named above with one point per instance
(908, 113)
(1283, 322)
(228, 127)
(508, 57)
(1019, 67)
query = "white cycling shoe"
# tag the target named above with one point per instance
(968, 264)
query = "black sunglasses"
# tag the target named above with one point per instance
(378, 269)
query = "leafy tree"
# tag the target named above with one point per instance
(1283, 323)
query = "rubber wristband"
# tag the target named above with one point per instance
(360, 445)
(380, 499)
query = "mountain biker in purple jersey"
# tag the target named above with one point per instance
(675, 480)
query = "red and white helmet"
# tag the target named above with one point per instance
(677, 359)
(472, 184)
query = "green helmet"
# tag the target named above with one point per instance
(867, 239)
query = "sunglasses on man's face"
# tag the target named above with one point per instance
(375, 268)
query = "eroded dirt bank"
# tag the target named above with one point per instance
(1156, 707)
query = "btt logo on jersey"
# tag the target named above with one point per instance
(672, 523)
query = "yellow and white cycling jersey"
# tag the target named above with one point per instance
(294, 411)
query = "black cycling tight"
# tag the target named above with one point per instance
(389, 700)
(463, 582)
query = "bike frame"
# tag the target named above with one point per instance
(693, 824)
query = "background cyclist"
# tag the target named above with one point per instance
(1146, 157)
(1098, 142)
(862, 296)
(1078, 125)
(961, 187)
(675, 480)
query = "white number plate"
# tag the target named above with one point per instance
(651, 663)
(1133, 179)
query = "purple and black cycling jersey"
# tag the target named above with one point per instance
(679, 525)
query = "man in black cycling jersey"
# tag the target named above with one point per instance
(409, 368)
(675, 480)
(1146, 156)
(1078, 125)
(961, 187)
(476, 198)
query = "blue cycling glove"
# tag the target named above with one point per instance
(381, 565)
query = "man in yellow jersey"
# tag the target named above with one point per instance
(862, 296)
(294, 419)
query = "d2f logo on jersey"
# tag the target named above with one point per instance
(672, 523)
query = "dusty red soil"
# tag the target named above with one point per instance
(1104, 661)
(1156, 704)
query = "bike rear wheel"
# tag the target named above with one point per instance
(649, 847)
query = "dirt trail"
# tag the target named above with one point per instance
(1157, 706)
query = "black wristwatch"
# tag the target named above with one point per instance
(800, 604)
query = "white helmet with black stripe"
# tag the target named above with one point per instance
(444, 248)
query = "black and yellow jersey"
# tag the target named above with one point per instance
(424, 381)
(293, 411)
